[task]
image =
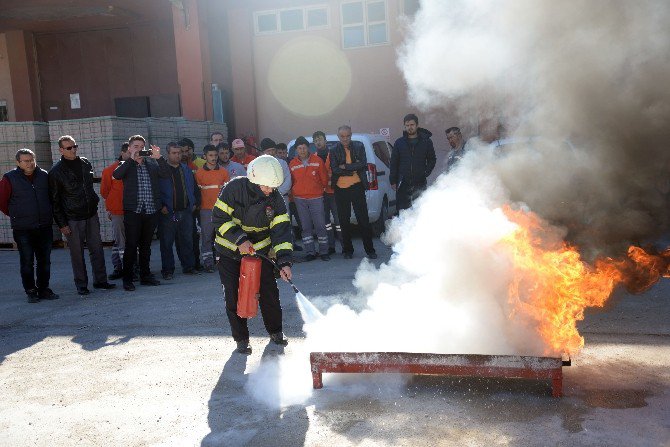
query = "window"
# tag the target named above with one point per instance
(382, 152)
(266, 23)
(291, 19)
(294, 19)
(317, 18)
(364, 23)
(410, 7)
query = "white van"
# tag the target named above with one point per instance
(379, 196)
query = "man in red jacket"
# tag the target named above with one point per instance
(112, 191)
(309, 178)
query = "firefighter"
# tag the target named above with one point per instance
(250, 216)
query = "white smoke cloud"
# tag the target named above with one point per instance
(590, 70)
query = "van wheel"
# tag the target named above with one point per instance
(380, 225)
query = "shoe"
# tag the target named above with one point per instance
(167, 276)
(325, 257)
(279, 339)
(348, 255)
(128, 285)
(309, 257)
(149, 281)
(372, 256)
(104, 285)
(47, 294)
(116, 274)
(192, 271)
(331, 251)
(243, 347)
(33, 296)
(83, 290)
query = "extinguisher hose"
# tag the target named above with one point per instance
(274, 264)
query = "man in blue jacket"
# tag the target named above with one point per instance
(175, 222)
(412, 161)
(24, 197)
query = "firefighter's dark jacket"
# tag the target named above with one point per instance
(244, 213)
(359, 162)
(72, 199)
(412, 165)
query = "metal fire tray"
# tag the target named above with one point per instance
(463, 365)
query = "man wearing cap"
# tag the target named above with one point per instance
(234, 169)
(269, 147)
(250, 216)
(309, 176)
(240, 151)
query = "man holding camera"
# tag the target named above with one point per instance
(141, 204)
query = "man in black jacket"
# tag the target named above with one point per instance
(141, 204)
(349, 165)
(75, 209)
(412, 161)
(24, 197)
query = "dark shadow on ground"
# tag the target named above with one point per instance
(235, 419)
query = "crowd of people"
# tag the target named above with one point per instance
(233, 199)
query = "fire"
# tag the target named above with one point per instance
(552, 285)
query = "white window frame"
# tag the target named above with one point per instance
(315, 8)
(277, 14)
(366, 24)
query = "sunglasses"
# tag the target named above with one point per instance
(69, 148)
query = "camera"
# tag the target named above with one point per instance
(146, 152)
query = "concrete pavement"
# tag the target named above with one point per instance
(157, 367)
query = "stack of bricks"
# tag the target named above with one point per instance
(15, 136)
(99, 140)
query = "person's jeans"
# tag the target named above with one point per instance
(86, 233)
(311, 215)
(177, 227)
(140, 229)
(34, 245)
(330, 208)
(346, 198)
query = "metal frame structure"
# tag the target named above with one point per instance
(464, 365)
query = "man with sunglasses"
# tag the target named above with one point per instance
(75, 210)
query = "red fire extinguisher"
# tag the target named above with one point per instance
(248, 291)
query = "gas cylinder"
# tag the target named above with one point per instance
(248, 291)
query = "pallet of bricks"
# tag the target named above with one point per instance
(99, 140)
(14, 136)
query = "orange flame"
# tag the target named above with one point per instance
(552, 285)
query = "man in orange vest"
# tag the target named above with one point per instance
(112, 191)
(309, 178)
(210, 179)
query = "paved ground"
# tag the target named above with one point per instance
(157, 367)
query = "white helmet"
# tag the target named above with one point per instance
(265, 171)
